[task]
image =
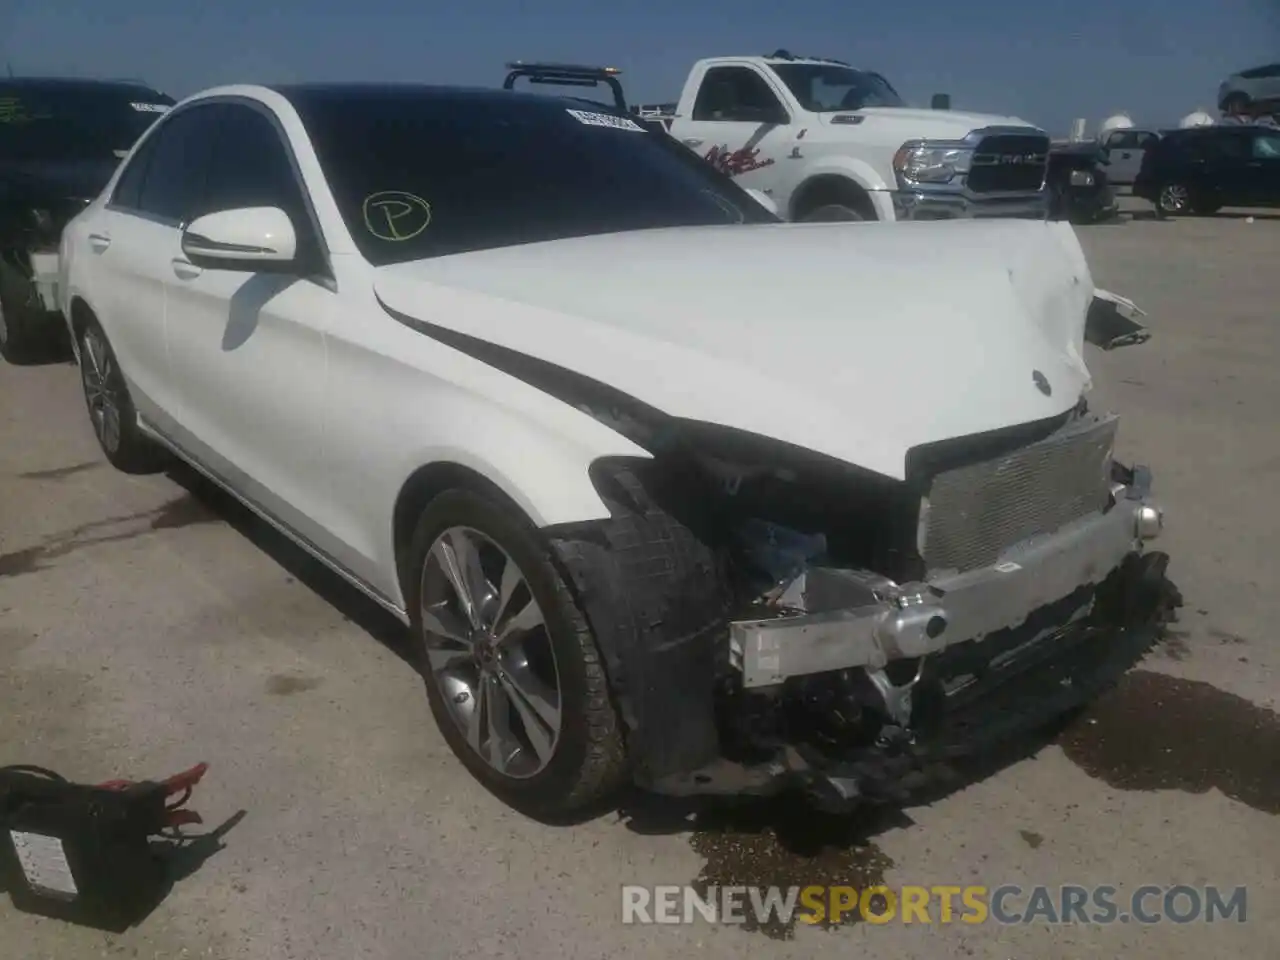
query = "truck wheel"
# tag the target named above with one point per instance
(1235, 103)
(514, 677)
(111, 411)
(830, 213)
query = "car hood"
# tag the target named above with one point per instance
(936, 124)
(858, 341)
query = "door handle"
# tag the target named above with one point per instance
(692, 141)
(99, 242)
(185, 269)
(1124, 156)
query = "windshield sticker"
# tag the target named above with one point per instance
(604, 120)
(12, 110)
(736, 162)
(396, 216)
(150, 107)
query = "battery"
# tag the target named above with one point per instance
(83, 853)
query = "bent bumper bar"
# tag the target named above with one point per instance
(914, 620)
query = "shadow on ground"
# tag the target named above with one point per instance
(329, 586)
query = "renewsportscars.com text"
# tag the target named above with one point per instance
(1007, 904)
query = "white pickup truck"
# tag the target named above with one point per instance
(827, 142)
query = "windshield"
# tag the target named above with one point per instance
(421, 174)
(74, 123)
(824, 88)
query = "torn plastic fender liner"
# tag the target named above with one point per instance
(653, 595)
(1110, 321)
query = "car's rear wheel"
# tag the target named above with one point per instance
(1173, 199)
(514, 677)
(111, 410)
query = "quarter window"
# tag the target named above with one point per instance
(1267, 146)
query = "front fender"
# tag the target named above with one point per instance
(850, 168)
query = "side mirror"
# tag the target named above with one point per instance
(764, 200)
(256, 239)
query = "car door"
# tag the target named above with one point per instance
(1227, 168)
(130, 243)
(248, 348)
(1125, 150)
(740, 125)
(1264, 169)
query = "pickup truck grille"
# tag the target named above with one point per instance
(1009, 162)
(978, 510)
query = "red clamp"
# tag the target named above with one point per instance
(182, 783)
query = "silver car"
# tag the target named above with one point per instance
(1124, 150)
(1250, 87)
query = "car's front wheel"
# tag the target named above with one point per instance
(111, 410)
(514, 676)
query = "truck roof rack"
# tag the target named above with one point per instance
(567, 75)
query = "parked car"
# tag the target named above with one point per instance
(60, 140)
(1250, 89)
(827, 142)
(638, 530)
(1200, 170)
(1124, 150)
(1079, 187)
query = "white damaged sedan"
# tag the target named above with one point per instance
(667, 491)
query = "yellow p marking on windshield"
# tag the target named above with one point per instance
(396, 216)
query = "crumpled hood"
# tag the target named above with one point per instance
(859, 341)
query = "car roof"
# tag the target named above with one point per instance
(75, 83)
(313, 94)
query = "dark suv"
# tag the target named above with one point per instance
(1203, 169)
(60, 141)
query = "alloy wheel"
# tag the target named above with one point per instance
(489, 652)
(1175, 198)
(99, 375)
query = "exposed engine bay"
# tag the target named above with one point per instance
(773, 618)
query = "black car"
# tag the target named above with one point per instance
(1079, 189)
(1203, 169)
(60, 141)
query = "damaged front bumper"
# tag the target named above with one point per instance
(886, 621)
(990, 653)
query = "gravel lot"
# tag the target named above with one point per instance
(146, 625)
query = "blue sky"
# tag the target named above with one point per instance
(1046, 62)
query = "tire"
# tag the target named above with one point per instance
(20, 342)
(1173, 199)
(111, 411)
(556, 764)
(832, 213)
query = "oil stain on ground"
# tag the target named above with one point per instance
(784, 843)
(58, 473)
(283, 684)
(184, 511)
(1155, 732)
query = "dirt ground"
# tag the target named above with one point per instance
(145, 624)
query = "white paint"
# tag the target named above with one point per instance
(318, 405)
(263, 234)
